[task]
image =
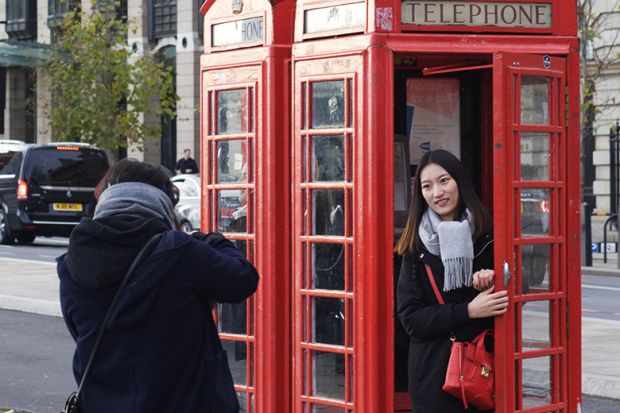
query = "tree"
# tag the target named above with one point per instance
(100, 90)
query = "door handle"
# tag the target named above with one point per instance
(506, 274)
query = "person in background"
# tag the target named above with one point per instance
(186, 165)
(157, 353)
(449, 230)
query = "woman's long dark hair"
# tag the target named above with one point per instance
(132, 170)
(468, 199)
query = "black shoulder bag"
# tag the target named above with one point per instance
(72, 403)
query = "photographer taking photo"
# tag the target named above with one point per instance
(159, 348)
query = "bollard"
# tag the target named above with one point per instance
(609, 222)
(586, 234)
(618, 240)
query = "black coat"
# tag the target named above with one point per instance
(154, 357)
(186, 166)
(430, 324)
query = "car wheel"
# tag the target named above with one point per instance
(6, 237)
(25, 237)
(186, 227)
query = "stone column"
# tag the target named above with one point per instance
(3, 36)
(44, 100)
(189, 49)
(137, 15)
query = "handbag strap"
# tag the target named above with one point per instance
(480, 342)
(146, 249)
(463, 395)
(459, 346)
(431, 278)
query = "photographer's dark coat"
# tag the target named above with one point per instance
(430, 324)
(154, 356)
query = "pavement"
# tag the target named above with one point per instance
(32, 287)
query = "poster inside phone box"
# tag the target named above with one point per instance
(433, 116)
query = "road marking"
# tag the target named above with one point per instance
(53, 243)
(27, 260)
(600, 287)
(614, 323)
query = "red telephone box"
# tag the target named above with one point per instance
(314, 114)
(245, 89)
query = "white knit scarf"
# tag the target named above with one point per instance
(452, 242)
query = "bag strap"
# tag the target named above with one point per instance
(479, 342)
(146, 249)
(461, 381)
(431, 278)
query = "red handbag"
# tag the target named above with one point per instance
(470, 375)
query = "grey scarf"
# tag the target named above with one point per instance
(452, 242)
(135, 198)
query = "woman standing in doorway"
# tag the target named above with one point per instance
(449, 230)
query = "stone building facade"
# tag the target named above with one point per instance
(602, 63)
(170, 28)
(603, 60)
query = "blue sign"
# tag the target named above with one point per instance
(611, 247)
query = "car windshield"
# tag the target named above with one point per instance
(187, 188)
(81, 167)
(8, 162)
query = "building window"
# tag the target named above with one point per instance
(57, 10)
(163, 20)
(21, 19)
(113, 8)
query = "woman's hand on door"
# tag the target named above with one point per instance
(488, 304)
(483, 279)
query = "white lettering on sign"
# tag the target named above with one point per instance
(237, 32)
(461, 13)
(346, 16)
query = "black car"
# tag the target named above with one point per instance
(46, 189)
